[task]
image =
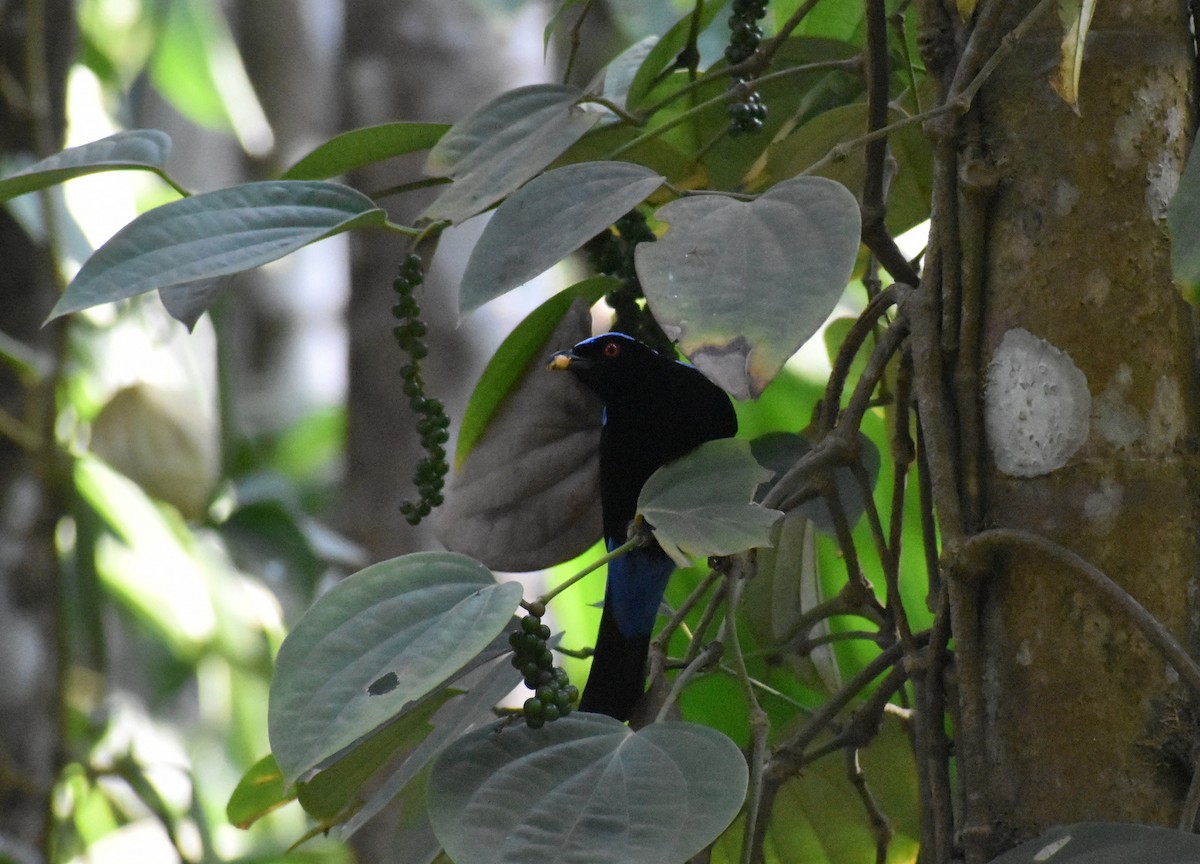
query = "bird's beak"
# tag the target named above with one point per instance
(562, 360)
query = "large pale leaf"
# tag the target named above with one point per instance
(527, 495)
(504, 144)
(585, 788)
(546, 220)
(146, 149)
(197, 239)
(701, 504)
(358, 147)
(741, 285)
(1183, 221)
(376, 642)
(1106, 843)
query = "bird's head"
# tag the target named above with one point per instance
(612, 365)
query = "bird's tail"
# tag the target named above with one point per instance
(618, 675)
(636, 582)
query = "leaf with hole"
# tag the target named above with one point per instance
(193, 241)
(419, 617)
(585, 788)
(743, 284)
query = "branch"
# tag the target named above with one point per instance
(987, 542)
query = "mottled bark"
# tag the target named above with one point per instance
(1079, 716)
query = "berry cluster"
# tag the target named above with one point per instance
(553, 693)
(430, 474)
(744, 32)
(747, 112)
(611, 253)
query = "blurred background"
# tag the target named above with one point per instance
(171, 501)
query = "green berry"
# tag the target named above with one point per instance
(551, 712)
(534, 707)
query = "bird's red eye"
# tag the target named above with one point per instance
(612, 349)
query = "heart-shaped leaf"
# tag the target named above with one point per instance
(743, 284)
(562, 209)
(585, 788)
(527, 496)
(375, 643)
(701, 504)
(197, 239)
(503, 145)
(136, 148)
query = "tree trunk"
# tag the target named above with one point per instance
(34, 54)
(1086, 382)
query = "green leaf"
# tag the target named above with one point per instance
(1183, 221)
(700, 505)
(585, 788)
(527, 495)
(523, 346)
(486, 689)
(778, 451)
(819, 818)
(911, 190)
(503, 145)
(333, 790)
(664, 52)
(259, 792)
(548, 219)
(376, 642)
(741, 285)
(197, 67)
(358, 147)
(138, 149)
(215, 234)
(786, 585)
(1076, 18)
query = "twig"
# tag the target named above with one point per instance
(704, 659)
(760, 724)
(987, 542)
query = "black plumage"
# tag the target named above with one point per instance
(656, 409)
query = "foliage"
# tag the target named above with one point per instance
(803, 653)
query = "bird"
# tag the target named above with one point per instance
(656, 409)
